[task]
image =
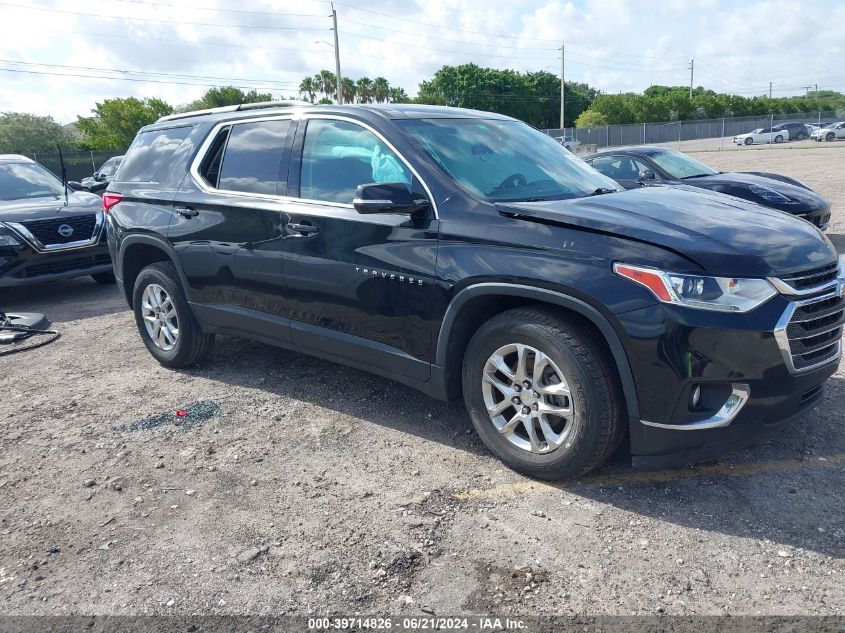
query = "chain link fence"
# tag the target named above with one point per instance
(677, 131)
(78, 164)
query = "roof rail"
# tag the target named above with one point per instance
(235, 108)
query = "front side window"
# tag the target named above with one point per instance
(337, 156)
(27, 180)
(503, 160)
(680, 166)
(619, 167)
(253, 156)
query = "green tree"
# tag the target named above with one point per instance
(326, 83)
(308, 89)
(22, 133)
(398, 95)
(364, 88)
(225, 96)
(116, 121)
(347, 87)
(590, 118)
(532, 97)
(381, 89)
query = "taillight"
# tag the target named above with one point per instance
(109, 200)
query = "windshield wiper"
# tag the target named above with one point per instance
(698, 176)
(602, 190)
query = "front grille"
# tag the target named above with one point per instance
(819, 220)
(47, 231)
(64, 266)
(814, 332)
(811, 278)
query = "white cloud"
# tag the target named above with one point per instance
(616, 45)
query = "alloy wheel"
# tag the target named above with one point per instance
(528, 399)
(160, 318)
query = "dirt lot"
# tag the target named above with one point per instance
(316, 488)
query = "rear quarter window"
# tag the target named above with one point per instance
(150, 153)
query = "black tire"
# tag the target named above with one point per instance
(830, 136)
(748, 141)
(104, 278)
(192, 344)
(778, 139)
(590, 372)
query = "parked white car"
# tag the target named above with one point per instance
(829, 133)
(762, 135)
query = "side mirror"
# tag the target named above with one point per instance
(645, 175)
(388, 197)
(76, 186)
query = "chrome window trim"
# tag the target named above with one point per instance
(30, 239)
(783, 340)
(741, 392)
(294, 116)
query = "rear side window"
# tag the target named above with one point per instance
(252, 157)
(150, 152)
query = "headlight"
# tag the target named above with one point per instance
(724, 294)
(842, 266)
(7, 238)
(770, 195)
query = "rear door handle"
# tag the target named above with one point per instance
(302, 229)
(187, 212)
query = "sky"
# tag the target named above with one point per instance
(60, 57)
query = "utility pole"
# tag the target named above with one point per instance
(691, 74)
(770, 90)
(337, 58)
(562, 98)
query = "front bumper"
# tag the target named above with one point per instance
(24, 266)
(674, 350)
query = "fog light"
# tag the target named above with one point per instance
(695, 399)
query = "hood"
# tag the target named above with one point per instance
(791, 197)
(723, 235)
(79, 202)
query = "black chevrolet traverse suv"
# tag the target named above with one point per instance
(45, 236)
(468, 255)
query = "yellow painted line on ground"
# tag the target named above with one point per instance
(660, 476)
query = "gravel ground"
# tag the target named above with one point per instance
(295, 486)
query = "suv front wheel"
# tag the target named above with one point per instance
(164, 319)
(543, 396)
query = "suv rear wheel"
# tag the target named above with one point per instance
(164, 320)
(541, 394)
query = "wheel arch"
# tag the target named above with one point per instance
(139, 251)
(479, 302)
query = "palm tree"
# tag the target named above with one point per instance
(364, 88)
(381, 89)
(347, 87)
(307, 89)
(326, 82)
(398, 95)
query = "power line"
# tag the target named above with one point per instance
(509, 37)
(134, 79)
(140, 72)
(179, 22)
(465, 52)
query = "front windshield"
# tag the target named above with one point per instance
(505, 161)
(27, 180)
(757, 131)
(679, 165)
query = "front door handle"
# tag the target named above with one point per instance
(302, 229)
(187, 212)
